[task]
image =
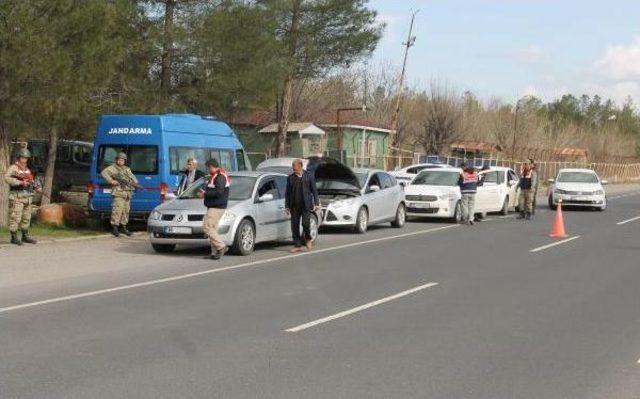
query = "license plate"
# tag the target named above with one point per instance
(422, 205)
(106, 190)
(177, 230)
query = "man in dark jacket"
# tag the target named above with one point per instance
(216, 195)
(301, 199)
(468, 181)
(189, 175)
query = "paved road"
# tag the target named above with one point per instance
(110, 319)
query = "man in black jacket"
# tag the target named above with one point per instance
(189, 175)
(301, 198)
(216, 195)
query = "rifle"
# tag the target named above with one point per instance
(125, 182)
(32, 184)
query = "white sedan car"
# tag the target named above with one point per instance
(435, 193)
(578, 187)
(359, 199)
(405, 175)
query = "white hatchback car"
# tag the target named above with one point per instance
(405, 175)
(578, 187)
(435, 193)
(358, 198)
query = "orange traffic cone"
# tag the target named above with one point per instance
(557, 230)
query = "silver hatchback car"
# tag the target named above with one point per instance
(255, 214)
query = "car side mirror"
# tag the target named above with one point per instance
(605, 182)
(170, 196)
(551, 180)
(512, 183)
(374, 188)
(266, 198)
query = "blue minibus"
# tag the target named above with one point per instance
(157, 148)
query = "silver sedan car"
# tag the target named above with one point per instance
(255, 214)
(358, 198)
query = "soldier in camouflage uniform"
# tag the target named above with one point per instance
(123, 184)
(22, 188)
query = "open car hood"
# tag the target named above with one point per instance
(333, 176)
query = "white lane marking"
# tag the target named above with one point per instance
(554, 244)
(628, 220)
(211, 271)
(360, 308)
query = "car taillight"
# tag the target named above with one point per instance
(164, 189)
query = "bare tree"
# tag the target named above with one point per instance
(441, 124)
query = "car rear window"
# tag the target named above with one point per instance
(142, 159)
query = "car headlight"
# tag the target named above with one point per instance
(342, 203)
(558, 191)
(599, 192)
(155, 215)
(227, 218)
(446, 197)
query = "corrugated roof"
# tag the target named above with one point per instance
(295, 127)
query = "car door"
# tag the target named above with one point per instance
(268, 213)
(283, 226)
(390, 203)
(487, 196)
(374, 199)
(512, 183)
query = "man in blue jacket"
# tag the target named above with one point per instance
(301, 199)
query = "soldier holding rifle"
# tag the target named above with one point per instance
(123, 184)
(22, 187)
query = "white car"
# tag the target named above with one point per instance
(499, 189)
(279, 165)
(578, 187)
(358, 198)
(405, 175)
(435, 193)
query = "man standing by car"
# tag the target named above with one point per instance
(301, 199)
(123, 184)
(469, 181)
(216, 195)
(21, 191)
(189, 175)
(535, 182)
(528, 180)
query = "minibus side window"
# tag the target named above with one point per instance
(178, 158)
(142, 159)
(242, 164)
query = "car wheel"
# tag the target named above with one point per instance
(313, 227)
(163, 248)
(505, 206)
(552, 206)
(362, 221)
(457, 213)
(245, 239)
(401, 216)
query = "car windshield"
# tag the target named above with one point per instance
(241, 188)
(362, 178)
(436, 178)
(577, 177)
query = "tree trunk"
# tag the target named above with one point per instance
(283, 124)
(47, 188)
(167, 45)
(5, 155)
(287, 92)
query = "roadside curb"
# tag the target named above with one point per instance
(74, 239)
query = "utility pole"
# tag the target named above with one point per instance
(395, 143)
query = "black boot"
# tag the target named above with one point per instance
(124, 230)
(114, 231)
(15, 239)
(528, 216)
(27, 238)
(521, 215)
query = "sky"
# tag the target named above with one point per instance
(511, 48)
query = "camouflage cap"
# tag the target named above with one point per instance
(24, 153)
(121, 155)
